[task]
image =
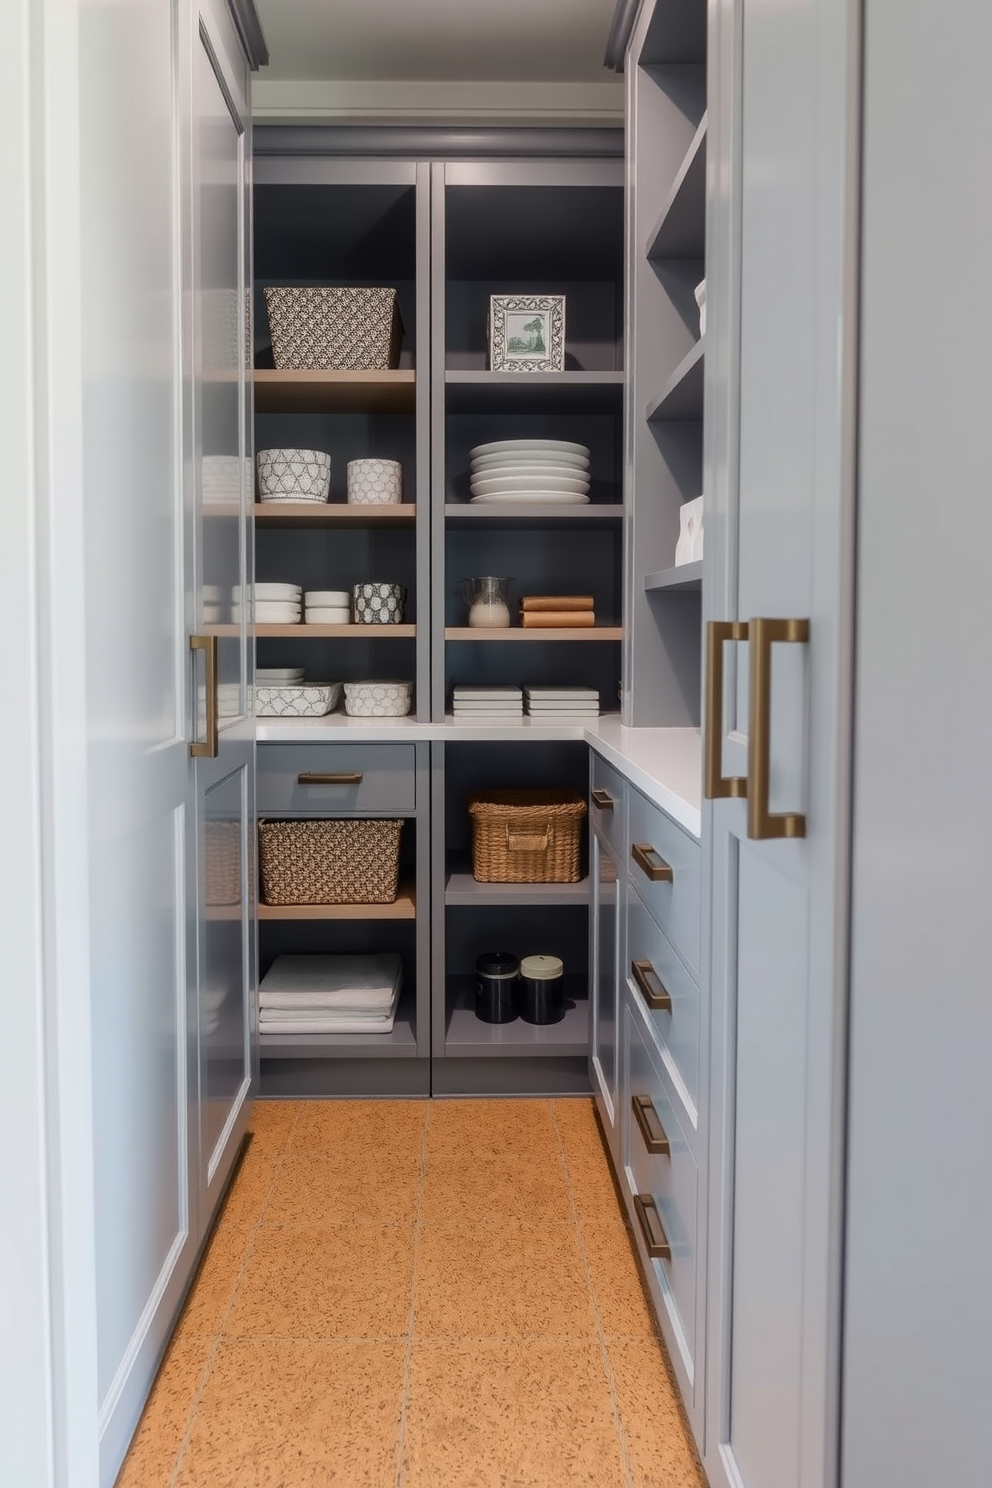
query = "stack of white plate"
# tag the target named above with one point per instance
(328, 607)
(275, 604)
(212, 608)
(550, 472)
(279, 676)
(562, 702)
(487, 702)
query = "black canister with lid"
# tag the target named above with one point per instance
(541, 994)
(496, 976)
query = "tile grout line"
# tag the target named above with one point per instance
(408, 1363)
(216, 1341)
(600, 1330)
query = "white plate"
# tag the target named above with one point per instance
(506, 485)
(537, 473)
(532, 498)
(324, 615)
(287, 592)
(531, 457)
(273, 676)
(334, 598)
(499, 446)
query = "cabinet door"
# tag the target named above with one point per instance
(781, 338)
(604, 962)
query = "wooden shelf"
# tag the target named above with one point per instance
(333, 514)
(334, 392)
(467, 1037)
(403, 908)
(681, 228)
(532, 513)
(687, 576)
(337, 632)
(462, 888)
(682, 396)
(517, 633)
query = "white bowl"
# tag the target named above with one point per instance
(328, 615)
(336, 598)
(285, 593)
(378, 699)
(375, 482)
(276, 614)
(296, 474)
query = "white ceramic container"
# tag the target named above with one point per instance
(310, 701)
(378, 699)
(375, 482)
(335, 598)
(328, 615)
(294, 475)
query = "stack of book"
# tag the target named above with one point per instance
(562, 702)
(477, 703)
(557, 612)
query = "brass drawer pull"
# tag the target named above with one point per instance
(602, 798)
(652, 1228)
(717, 786)
(651, 1129)
(354, 778)
(651, 863)
(651, 987)
(208, 645)
(762, 823)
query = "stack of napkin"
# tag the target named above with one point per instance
(559, 702)
(487, 702)
(557, 612)
(330, 994)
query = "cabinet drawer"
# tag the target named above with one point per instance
(668, 1178)
(660, 971)
(376, 778)
(656, 843)
(605, 786)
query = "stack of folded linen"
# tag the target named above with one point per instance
(487, 702)
(557, 612)
(562, 702)
(330, 994)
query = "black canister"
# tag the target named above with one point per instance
(496, 977)
(541, 994)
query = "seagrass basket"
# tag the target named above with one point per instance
(329, 862)
(316, 329)
(527, 836)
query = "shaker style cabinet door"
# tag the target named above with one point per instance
(605, 923)
(781, 338)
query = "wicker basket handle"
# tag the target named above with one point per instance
(529, 841)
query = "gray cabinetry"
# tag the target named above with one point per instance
(607, 820)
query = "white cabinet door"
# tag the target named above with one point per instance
(781, 335)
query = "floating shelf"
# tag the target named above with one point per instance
(338, 632)
(532, 513)
(404, 907)
(681, 228)
(399, 1043)
(686, 576)
(462, 888)
(334, 392)
(682, 395)
(517, 633)
(517, 392)
(333, 514)
(468, 1037)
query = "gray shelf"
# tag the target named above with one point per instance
(681, 228)
(517, 392)
(682, 396)
(462, 888)
(513, 515)
(401, 1043)
(686, 577)
(467, 1037)
(677, 35)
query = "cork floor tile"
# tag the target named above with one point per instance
(592, 1189)
(471, 1129)
(352, 1281)
(281, 1414)
(362, 1188)
(271, 1125)
(215, 1282)
(622, 1301)
(531, 1190)
(510, 1415)
(251, 1184)
(330, 1128)
(658, 1442)
(160, 1432)
(501, 1280)
(579, 1130)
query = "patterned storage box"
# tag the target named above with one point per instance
(317, 329)
(329, 862)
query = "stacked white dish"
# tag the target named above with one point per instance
(212, 604)
(275, 604)
(552, 703)
(549, 472)
(477, 703)
(330, 994)
(279, 676)
(328, 607)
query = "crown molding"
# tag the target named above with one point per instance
(250, 34)
(621, 30)
(275, 101)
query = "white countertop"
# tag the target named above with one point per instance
(664, 763)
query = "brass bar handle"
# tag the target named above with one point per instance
(602, 798)
(716, 785)
(763, 824)
(208, 645)
(651, 987)
(309, 777)
(652, 1132)
(651, 863)
(652, 1229)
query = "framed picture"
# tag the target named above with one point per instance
(527, 333)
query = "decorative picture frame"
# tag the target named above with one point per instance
(527, 333)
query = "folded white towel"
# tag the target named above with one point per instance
(366, 982)
(360, 1023)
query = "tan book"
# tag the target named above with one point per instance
(557, 619)
(556, 602)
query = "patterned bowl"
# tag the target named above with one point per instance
(375, 482)
(378, 604)
(378, 699)
(294, 475)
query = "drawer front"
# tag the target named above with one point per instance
(375, 778)
(653, 970)
(656, 843)
(605, 786)
(671, 1180)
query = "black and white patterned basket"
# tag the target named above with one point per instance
(378, 604)
(316, 329)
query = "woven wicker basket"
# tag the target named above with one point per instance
(334, 329)
(329, 862)
(527, 836)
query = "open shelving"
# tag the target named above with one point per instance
(682, 395)
(304, 514)
(301, 391)
(403, 907)
(517, 633)
(687, 576)
(467, 1037)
